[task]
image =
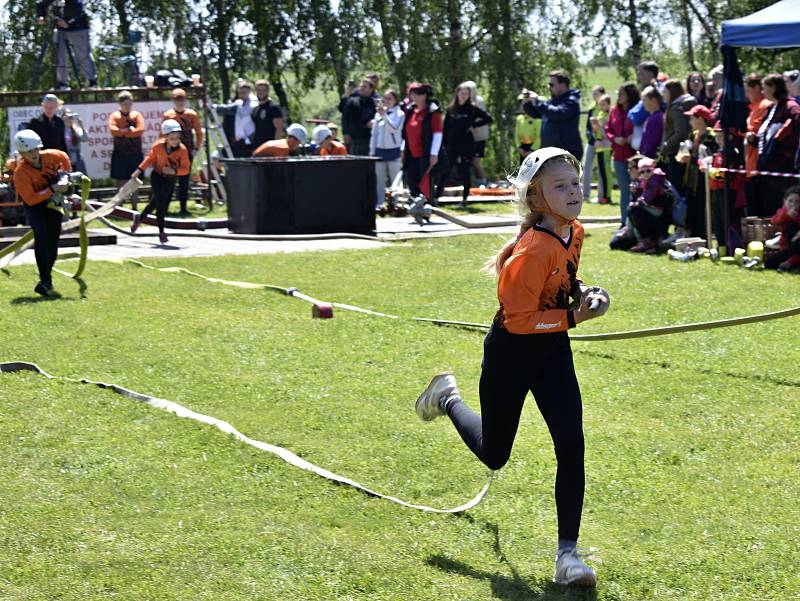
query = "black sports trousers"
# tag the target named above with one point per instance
(514, 364)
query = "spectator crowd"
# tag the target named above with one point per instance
(659, 137)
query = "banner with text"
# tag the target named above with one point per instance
(96, 152)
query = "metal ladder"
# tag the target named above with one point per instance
(217, 140)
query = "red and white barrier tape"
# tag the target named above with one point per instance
(754, 172)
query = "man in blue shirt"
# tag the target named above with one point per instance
(560, 115)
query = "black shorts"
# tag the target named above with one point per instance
(123, 165)
(480, 149)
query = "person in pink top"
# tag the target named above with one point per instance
(619, 130)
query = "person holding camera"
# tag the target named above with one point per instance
(71, 26)
(39, 183)
(358, 112)
(237, 120)
(385, 142)
(74, 135)
(560, 114)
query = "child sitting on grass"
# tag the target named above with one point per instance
(788, 220)
(650, 208)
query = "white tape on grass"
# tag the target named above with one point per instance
(286, 455)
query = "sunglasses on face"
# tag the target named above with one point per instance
(645, 170)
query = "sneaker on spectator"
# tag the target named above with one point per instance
(62, 86)
(92, 83)
(773, 243)
(571, 570)
(137, 221)
(789, 264)
(162, 237)
(644, 245)
(669, 241)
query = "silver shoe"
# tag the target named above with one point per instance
(429, 403)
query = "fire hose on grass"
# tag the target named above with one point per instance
(286, 455)
(11, 252)
(325, 309)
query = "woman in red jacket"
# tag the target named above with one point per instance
(619, 130)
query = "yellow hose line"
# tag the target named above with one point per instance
(644, 333)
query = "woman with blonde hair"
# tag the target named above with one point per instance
(480, 133)
(527, 347)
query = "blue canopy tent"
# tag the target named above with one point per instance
(776, 26)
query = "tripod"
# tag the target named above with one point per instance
(54, 39)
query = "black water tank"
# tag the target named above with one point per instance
(301, 195)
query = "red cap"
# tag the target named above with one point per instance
(698, 110)
(718, 126)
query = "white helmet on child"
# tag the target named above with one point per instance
(533, 162)
(296, 130)
(27, 140)
(170, 126)
(320, 134)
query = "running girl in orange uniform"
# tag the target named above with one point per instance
(170, 160)
(527, 347)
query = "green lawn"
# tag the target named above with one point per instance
(692, 444)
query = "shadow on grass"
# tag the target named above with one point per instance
(514, 587)
(28, 300)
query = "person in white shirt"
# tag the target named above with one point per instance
(238, 121)
(385, 142)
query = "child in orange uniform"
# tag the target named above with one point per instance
(296, 136)
(527, 347)
(169, 159)
(36, 180)
(191, 138)
(126, 127)
(323, 138)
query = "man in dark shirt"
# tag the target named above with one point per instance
(358, 111)
(49, 125)
(72, 27)
(267, 116)
(560, 115)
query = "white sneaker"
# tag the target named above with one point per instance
(571, 570)
(442, 386)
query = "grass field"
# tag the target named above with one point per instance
(692, 441)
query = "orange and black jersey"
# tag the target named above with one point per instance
(189, 122)
(33, 183)
(537, 280)
(273, 148)
(159, 157)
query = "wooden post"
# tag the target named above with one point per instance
(708, 208)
